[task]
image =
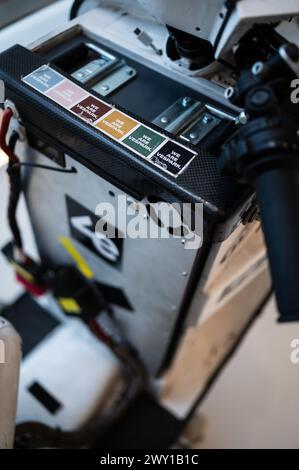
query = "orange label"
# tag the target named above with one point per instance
(117, 124)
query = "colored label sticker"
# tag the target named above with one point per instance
(67, 94)
(144, 140)
(43, 78)
(117, 124)
(173, 158)
(90, 109)
(161, 151)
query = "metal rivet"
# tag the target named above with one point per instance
(164, 119)
(184, 273)
(105, 87)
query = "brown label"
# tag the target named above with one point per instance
(90, 109)
(117, 125)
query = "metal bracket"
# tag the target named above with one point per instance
(178, 116)
(205, 124)
(115, 79)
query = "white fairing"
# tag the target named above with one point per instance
(10, 358)
(196, 17)
(208, 19)
(204, 19)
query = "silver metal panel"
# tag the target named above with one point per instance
(154, 273)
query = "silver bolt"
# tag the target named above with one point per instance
(183, 242)
(164, 119)
(105, 87)
(229, 93)
(186, 101)
(257, 68)
(242, 118)
(184, 273)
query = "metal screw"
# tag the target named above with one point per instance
(105, 87)
(257, 69)
(183, 241)
(184, 273)
(164, 119)
(186, 101)
(207, 119)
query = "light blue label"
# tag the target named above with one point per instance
(43, 79)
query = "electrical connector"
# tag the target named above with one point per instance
(146, 39)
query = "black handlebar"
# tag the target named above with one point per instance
(278, 195)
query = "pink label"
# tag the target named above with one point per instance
(67, 94)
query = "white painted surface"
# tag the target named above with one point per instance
(75, 368)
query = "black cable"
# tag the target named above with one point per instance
(75, 8)
(46, 167)
(13, 140)
(14, 173)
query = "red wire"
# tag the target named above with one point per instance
(5, 121)
(97, 330)
(6, 118)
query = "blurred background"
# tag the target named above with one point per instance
(14, 10)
